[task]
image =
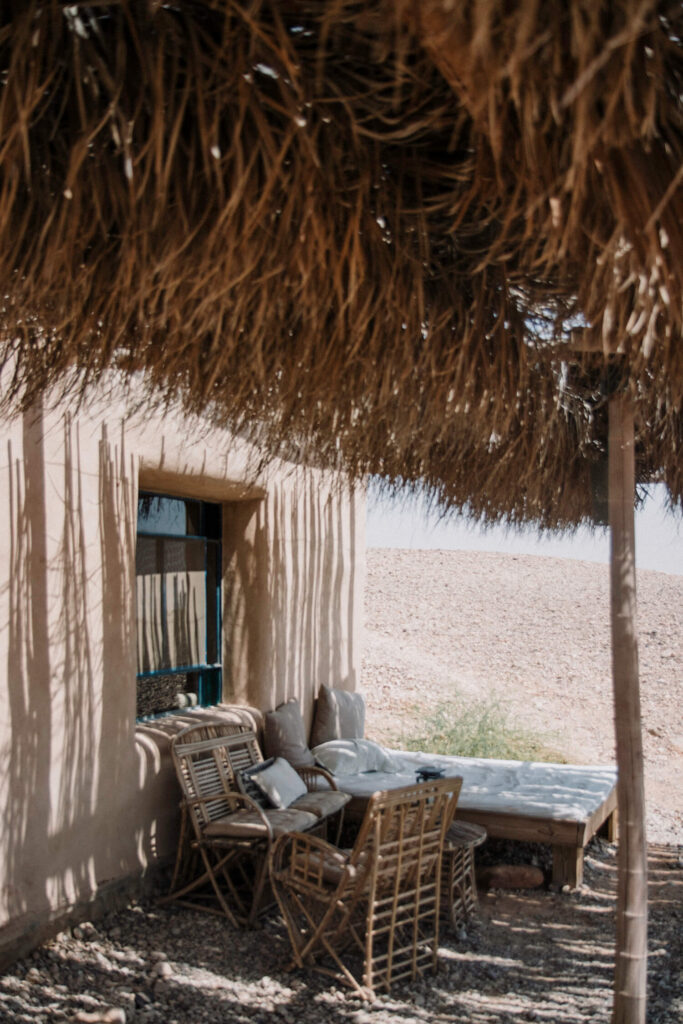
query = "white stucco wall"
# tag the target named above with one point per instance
(86, 796)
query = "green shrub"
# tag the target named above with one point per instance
(479, 730)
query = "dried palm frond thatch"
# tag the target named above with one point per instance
(358, 232)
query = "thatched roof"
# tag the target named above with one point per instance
(361, 232)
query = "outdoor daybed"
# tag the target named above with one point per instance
(563, 805)
(560, 804)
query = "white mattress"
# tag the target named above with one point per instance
(560, 792)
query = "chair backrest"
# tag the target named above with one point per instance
(401, 837)
(206, 759)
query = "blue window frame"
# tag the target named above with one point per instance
(178, 592)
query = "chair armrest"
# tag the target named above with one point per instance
(309, 772)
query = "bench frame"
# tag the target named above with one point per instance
(566, 837)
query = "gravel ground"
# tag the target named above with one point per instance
(533, 956)
(532, 632)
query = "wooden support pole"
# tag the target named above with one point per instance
(631, 939)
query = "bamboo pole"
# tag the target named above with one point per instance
(631, 937)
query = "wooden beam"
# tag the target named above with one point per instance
(631, 941)
(583, 342)
(568, 866)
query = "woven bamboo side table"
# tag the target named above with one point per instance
(458, 883)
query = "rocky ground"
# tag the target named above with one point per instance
(533, 634)
(441, 626)
(528, 956)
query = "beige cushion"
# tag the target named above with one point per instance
(331, 865)
(284, 734)
(322, 803)
(248, 824)
(339, 715)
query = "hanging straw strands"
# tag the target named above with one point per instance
(581, 109)
(359, 233)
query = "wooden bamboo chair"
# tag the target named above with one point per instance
(225, 835)
(370, 916)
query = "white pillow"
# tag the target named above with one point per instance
(280, 783)
(352, 757)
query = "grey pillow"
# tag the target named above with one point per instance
(284, 735)
(280, 783)
(247, 785)
(339, 715)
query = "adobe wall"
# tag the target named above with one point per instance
(87, 797)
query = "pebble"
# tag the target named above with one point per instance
(108, 1015)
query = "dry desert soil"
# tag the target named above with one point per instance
(531, 634)
(452, 627)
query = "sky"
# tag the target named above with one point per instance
(659, 535)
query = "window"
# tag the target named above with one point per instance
(178, 583)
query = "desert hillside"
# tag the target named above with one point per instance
(533, 634)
